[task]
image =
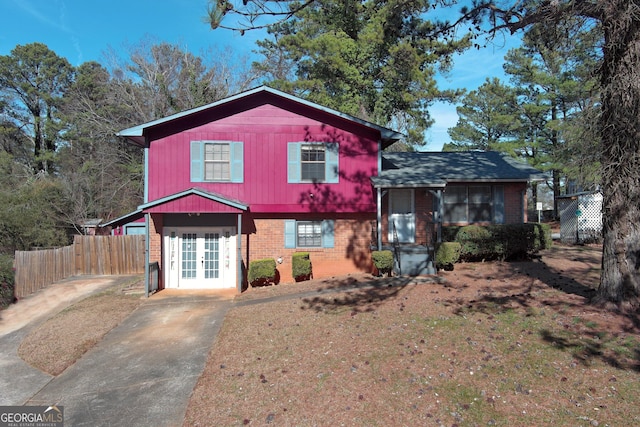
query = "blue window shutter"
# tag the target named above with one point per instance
(331, 163)
(236, 150)
(293, 162)
(498, 204)
(328, 240)
(289, 234)
(197, 161)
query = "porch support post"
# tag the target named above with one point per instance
(147, 246)
(379, 218)
(440, 214)
(239, 275)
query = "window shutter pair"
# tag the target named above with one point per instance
(328, 240)
(331, 162)
(236, 161)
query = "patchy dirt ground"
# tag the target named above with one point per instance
(496, 343)
(513, 344)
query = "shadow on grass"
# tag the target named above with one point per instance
(525, 287)
(585, 348)
(365, 296)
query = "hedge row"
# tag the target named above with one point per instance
(499, 242)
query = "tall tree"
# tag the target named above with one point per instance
(554, 77)
(33, 80)
(487, 118)
(619, 123)
(101, 176)
(159, 79)
(369, 59)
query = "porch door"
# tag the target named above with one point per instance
(402, 215)
(200, 258)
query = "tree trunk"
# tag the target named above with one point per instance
(620, 280)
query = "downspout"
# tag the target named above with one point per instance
(239, 275)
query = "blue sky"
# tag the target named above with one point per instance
(83, 30)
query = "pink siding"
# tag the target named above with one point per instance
(193, 204)
(265, 132)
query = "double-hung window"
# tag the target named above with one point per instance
(217, 161)
(315, 162)
(312, 162)
(309, 234)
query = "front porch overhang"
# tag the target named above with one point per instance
(435, 187)
(194, 200)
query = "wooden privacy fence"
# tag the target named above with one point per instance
(96, 255)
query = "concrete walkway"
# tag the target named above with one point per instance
(19, 381)
(143, 371)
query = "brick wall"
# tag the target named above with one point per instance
(515, 203)
(351, 252)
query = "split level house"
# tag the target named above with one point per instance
(264, 174)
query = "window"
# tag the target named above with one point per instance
(479, 203)
(309, 234)
(217, 161)
(312, 162)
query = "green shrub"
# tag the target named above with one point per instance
(262, 272)
(301, 265)
(475, 242)
(7, 280)
(383, 261)
(501, 241)
(447, 254)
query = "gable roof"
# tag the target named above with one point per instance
(240, 102)
(206, 195)
(436, 169)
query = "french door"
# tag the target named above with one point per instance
(200, 258)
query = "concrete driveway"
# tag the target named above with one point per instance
(143, 371)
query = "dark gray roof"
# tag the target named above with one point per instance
(436, 169)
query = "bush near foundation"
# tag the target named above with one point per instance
(447, 254)
(499, 241)
(301, 265)
(262, 272)
(383, 261)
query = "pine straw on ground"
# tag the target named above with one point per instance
(486, 344)
(62, 339)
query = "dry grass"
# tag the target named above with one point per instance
(61, 340)
(495, 344)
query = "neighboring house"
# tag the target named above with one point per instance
(580, 217)
(264, 174)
